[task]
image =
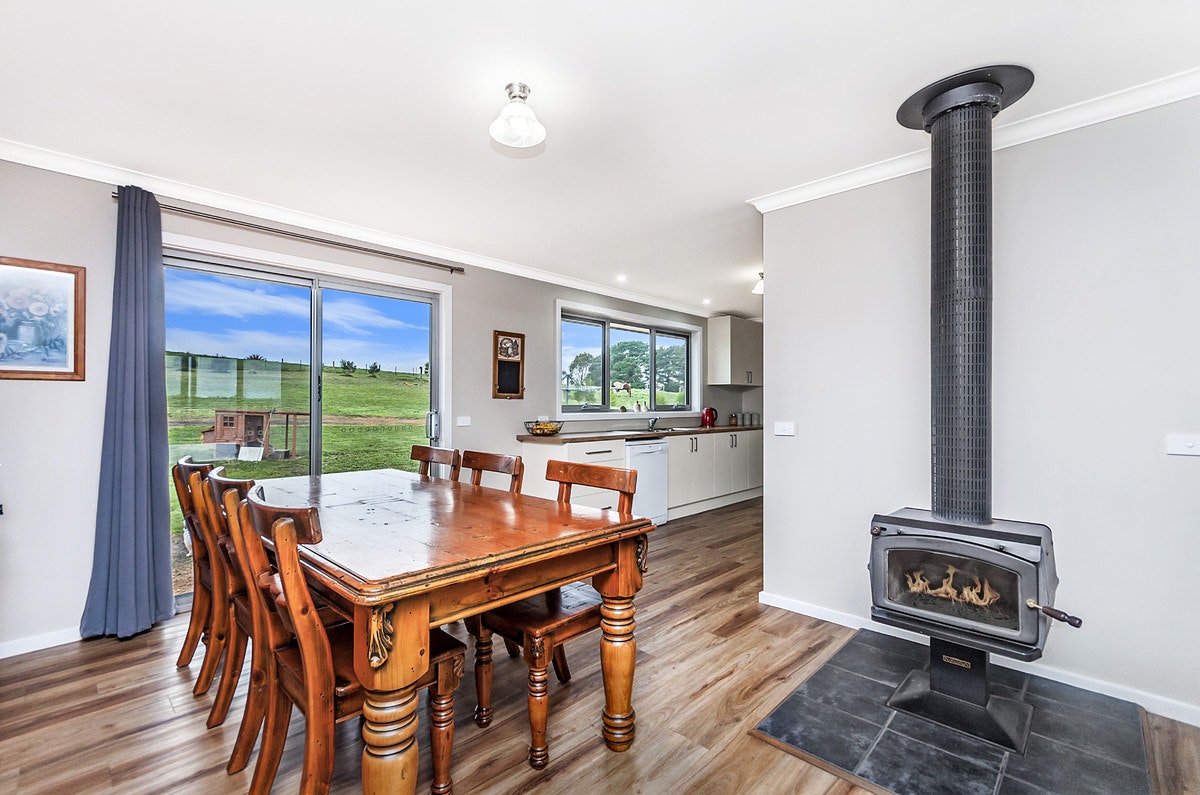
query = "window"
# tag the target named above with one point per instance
(612, 364)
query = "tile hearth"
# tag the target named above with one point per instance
(1080, 741)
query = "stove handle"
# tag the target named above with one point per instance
(1057, 615)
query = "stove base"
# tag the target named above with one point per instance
(954, 693)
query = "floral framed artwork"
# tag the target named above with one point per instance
(41, 320)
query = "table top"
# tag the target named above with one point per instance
(388, 533)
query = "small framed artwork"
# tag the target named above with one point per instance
(41, 320)
(508, 365)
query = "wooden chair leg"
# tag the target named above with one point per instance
(231, 672)
(560, 665)
(539, 705)
(197, 624)
(441, 724)
(483, 676)
(317, 775)
(262, 684)
(279, 715)
(217, 634)
(513, 649)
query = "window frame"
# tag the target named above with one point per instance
(692, 336)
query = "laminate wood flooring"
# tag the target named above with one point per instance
(118, 716)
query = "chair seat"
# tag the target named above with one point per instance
(347, 688)
(563, 613)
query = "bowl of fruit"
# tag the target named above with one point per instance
(544, 427)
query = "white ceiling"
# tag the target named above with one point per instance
(664, 118)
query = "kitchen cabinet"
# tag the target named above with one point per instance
(607, 452)
(732, 462)
(735, 351)
(754, 440)
(691, 468)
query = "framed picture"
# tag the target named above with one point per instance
(41, 320)
(508, 365)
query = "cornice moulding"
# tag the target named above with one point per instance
(1157, 93)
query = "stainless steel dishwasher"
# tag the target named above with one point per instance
(649, 458)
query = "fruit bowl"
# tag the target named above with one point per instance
(544, 427)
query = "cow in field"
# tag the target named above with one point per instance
(627, 388)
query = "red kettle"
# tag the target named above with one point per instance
(708, 417)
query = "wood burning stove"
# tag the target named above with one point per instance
(974, 584)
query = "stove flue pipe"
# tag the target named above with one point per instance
(957, 112)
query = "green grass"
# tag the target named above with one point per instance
(629, 400)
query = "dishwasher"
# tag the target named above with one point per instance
(649, 458)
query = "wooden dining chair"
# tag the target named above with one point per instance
(316, 671)
(436, 455)
(200, 623)
(541, 624)
(500, 463)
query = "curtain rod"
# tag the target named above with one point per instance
(310, 238)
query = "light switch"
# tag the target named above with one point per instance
(1183, 444)
(785, 429)
(462, 422)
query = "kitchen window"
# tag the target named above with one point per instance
(617, 364)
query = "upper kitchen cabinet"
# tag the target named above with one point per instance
(735, 351)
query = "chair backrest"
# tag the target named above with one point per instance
(566, 474)
(181, 473)
(288, 528)
(261, 579)
(436, 455)
(510, 465)
(218, 484)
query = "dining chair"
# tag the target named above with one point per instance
(315, 672)
(436, 455)
(541, 624)
(201, 622)
(500, 463)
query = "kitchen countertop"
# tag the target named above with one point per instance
(628, 433)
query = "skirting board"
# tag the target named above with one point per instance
(716, 502)
(11, 648)
(1159, 705)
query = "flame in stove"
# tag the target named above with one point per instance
(981, 594)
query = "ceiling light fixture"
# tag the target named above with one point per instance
(517, 126)
(757, 289)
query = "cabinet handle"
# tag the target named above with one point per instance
(597, 452)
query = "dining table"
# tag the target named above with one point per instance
(401, 553)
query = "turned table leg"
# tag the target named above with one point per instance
(617, 652)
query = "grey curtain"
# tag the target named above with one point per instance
(131, 571)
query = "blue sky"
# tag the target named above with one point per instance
(217, 315)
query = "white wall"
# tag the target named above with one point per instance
(1096, 282)
(50, 432)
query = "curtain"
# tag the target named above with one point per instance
(130, 588)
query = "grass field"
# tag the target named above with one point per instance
(370, 422)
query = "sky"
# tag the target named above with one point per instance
(218, 315)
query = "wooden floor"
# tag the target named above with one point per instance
(118, 716)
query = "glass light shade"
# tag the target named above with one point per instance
(757, 289)
(517, 126)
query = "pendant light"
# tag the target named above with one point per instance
(517, 126)
(757, 289)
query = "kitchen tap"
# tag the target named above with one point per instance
(651, 422)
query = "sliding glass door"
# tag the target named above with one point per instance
(242, 391)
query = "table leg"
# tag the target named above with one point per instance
(389, 760)
(617, 653)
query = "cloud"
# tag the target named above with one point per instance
(228, 297)
(352, 316)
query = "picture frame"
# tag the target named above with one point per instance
(42, 320)
(508, 365)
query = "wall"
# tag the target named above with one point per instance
(1095, 343)
(50, 432)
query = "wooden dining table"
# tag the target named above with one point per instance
(402, 553)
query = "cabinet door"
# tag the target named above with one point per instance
(732, 460)
(680, 466)
(734, 351)
(754, 442)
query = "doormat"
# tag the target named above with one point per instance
(838, 719)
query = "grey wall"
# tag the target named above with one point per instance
(50, 432)
(1095, 348)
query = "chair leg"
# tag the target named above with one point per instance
(560, 665)
(197, 623)
(483, 677)
(217, 634)
(235, 655)
(513, 649)
(279, 715)
(441, 723)
(317, 775)
(539, 704)
(262, 684)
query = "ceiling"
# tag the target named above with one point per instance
(663, 118)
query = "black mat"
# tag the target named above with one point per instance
(1080, 742)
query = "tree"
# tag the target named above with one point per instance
(670, 367)
(580, 368)
(258, 357)
(629, 362)
(374, 369)
(348, 367)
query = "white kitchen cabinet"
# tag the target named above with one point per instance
(735, 351)
(732, 461)
(691, 468)
(607, 452)
(754, 440)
